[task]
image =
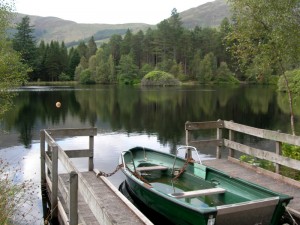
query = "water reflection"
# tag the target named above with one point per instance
(160, 111)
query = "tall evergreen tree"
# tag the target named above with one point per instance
(74, 60)
(91, 48)
(126, 43)
(115, 48)
(24, 42)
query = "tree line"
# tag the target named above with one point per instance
(197, 54)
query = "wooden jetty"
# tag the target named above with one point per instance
(225, 141)
(85, 198)
(80, 197)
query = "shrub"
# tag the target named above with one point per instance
(15, 197)
(159, 78)
(86, 77)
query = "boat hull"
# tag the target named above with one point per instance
(241, 203)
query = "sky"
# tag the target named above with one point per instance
(106, 11)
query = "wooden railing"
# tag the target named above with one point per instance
(49, 160)
(233, 146)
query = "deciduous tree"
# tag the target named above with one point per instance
(267, 33)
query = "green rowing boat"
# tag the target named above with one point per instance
(187, 192)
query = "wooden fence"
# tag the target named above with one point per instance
(49, 179)
(220, 125)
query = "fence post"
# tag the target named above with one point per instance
(219, 137)
(73, 202)
(54, 173)
(231, 138)
(278, 152)
(91, 149)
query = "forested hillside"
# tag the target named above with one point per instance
(197, 54)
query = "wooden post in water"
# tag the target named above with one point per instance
(278, 152)
(54, 173)
(43, 174)
(73, 201)
(91, 149)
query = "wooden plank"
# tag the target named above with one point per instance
(137, 212)
(54, 174)
(48, 162)
(80, 153)
(266, 172)
(196, 193)
(73, 203)
(71, 132)
(50, 141)
(151, 168)
(67, 163)
(206, 143)
(261, 133)
(43, 157)
(261, 154)
(203, 125)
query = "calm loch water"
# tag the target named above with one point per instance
(127, 117)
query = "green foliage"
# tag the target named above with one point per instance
(258, 162)
(261, 34)
(293, 78)
(146, 68)
(12, 71)
(24, 42)
(64, 77)
(224, 75)
(127, 70)
(291, 151)
(207, 68)
(91, 48)
(159, 78)
(85, 77)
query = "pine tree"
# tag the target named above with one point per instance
(24, 42)
(91, 48)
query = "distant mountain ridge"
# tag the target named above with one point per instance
(52, 28)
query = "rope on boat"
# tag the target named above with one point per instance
(136, 174)
(101, 173)
(294, 221)
(188, 160)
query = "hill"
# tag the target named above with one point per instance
(52, 28)
(209, 14)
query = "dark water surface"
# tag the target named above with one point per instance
(127, 117)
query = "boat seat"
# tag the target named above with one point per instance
(151, 168)
(189, 194)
